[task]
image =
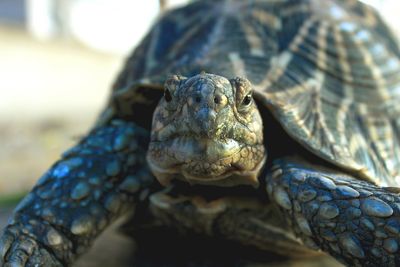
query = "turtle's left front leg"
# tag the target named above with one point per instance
(93, 184)
(355, 221)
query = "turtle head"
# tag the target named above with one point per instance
(207, 130)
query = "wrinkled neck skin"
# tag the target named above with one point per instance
(207, 130)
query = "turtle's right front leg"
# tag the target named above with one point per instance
(81, 194)
(353, 220)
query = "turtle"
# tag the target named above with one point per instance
(269, 123)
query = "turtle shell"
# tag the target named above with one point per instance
(328, 70)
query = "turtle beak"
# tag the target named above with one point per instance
(204, 122)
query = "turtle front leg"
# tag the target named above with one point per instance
(94, 182)
(355, 221)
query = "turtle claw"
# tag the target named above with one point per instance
(20, 250)
(6, 242)
(17, 258)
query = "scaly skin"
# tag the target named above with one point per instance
(93, 184)
(355, 221)
(207, 128)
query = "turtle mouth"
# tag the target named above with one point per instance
(206, 161)
(188, 148)
(179, 188)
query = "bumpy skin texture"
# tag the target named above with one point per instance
(207, 128)
(355, 221)
(85, 191)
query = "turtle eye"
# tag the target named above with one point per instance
(167, 95)
(247, 100)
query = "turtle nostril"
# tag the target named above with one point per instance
(198, 99)
(217, 100)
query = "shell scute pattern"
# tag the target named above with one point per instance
(328, 70)
(335, 91)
